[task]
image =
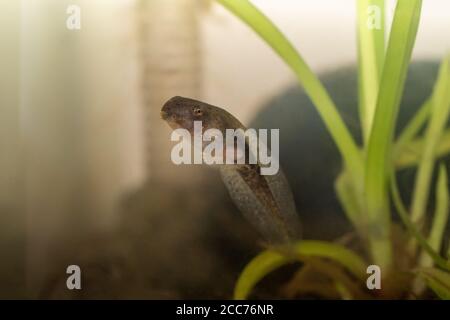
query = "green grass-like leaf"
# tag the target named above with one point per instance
(270, 260)
(440, 216)
(349, 200)
(411, 129)
(411, 227)
(254, 18)
(438, 226)
(398, 54)
(438, 281)
(410, 154)
(439, 114)
(370, 58)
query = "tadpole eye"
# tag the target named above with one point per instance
(197, 111)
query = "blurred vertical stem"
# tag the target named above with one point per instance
(440, 217)
(371, 28)
(412, 128)
(412, 229)
(439, 113)
(437, 228)
(378, 164)
(350, 202)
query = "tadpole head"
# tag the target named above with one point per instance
(180, 112)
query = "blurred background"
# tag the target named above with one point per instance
(85, 170)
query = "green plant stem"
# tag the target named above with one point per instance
(437, 280)
(370, 59)
(350, 202)
(440, 217)
(437, 229)
(438, 118)
(412, 229)
(412, 128)
(346, 285)
(410, 154)
(269, 260)
(398, 55)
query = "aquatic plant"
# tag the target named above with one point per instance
(367, 187)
